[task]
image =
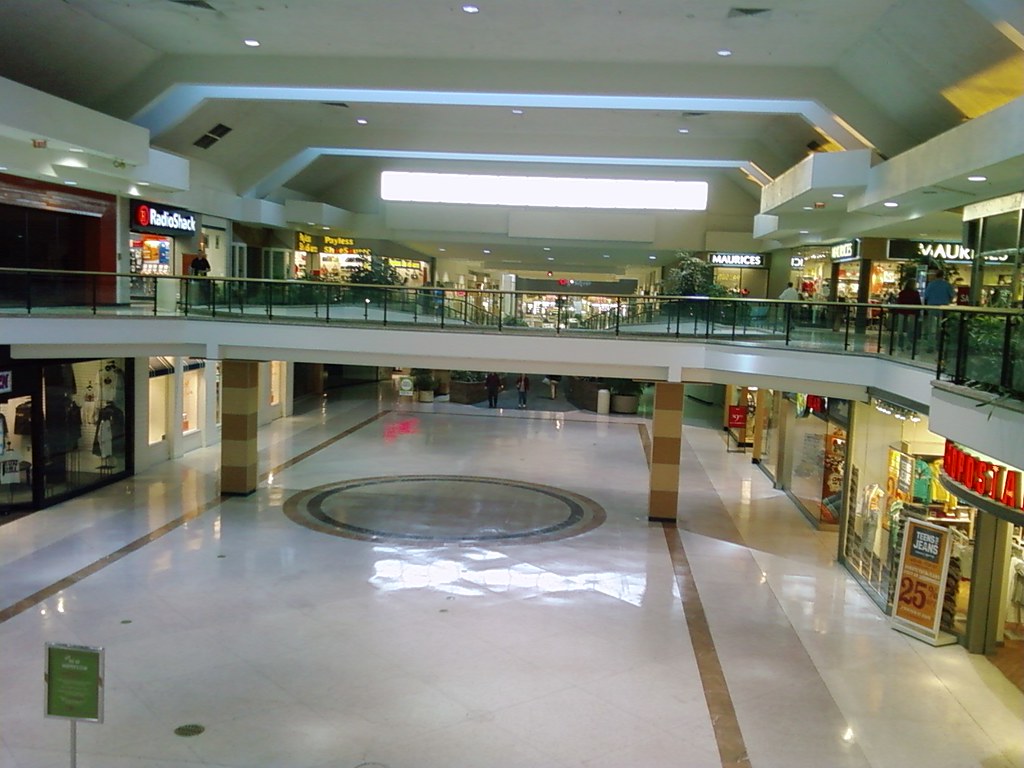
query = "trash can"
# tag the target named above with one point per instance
(604, 401)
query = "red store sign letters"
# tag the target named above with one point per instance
(999, 483)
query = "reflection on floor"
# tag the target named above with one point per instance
(1009, 659)
(594, 647)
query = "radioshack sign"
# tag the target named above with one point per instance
(151, 217)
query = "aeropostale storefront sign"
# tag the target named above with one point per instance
(993, 486)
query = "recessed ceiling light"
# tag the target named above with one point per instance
(71, 183)
(652, 258)
(890, 204)
(804, 231)
(252, 42)
(724, 52)
(487, 250)
(325, 227)
(76, 149)
(977, 178)
(808, 207)
(471, 9)
(605, 255)
(684, 130)
(442, 250)
(517, 111)
(547, 248)
(311, 223)
(551, 258)
(142, 183)
(838, 195)
(362, 120)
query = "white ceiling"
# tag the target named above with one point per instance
(884, 74)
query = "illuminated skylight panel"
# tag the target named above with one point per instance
(544, 191)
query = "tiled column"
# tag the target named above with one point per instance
(239, 406)
(666, 442)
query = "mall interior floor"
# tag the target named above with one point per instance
(418, 585)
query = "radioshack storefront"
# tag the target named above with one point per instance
(163, 241)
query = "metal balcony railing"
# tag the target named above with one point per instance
(973, 346)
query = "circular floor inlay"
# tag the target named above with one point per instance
(438, 509)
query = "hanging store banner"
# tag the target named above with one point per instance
(921, 582)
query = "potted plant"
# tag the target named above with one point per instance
(424, 382)
(625, 395)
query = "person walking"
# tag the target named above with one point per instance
(522, 388)
(493, 385)
(938, 293)
(907, 319)
(790, 293)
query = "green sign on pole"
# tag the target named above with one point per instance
(74, 682)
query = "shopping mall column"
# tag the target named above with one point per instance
(240, 403)
(666, 444)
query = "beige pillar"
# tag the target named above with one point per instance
(666, 445)
(760, 423)
(239, 407)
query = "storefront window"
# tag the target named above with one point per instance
(770, 445)
(159, 392)
(85, 429)
(894, 474)
(16, 452)
(192, 384)
(275, 382)
(818, 443)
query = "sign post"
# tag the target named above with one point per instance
(73, 680)
(921, 583)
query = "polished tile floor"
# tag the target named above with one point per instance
(733, 639)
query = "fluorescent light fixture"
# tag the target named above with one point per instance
(838, 195)
(805, 231)
(143, 183)
(652, 258)
(471, 9)
(890, 204)
(487, 250)
(544, 191)
(517, 111)
(724, 52)
(684, 130)
(547, 247)
(252, 42)
(977, 178)
(443, 250)
(71, 183)
(551, 258)
(362, 120)
(605, 255)
(808, 207)
(75, 149)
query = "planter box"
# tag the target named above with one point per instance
(467, 392)
(425, 395)
(583, 393)
(625, 403)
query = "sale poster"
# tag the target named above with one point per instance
(917, 609)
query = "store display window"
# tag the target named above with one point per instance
(85, 424)
(276, 381)
(770, 448)
(817, 438)
(149, 255)
(16, 449)
(895, 463)
(191, 389)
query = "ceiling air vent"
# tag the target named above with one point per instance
(212, 136)
(194, 4)
(335, 104)
(746, 13)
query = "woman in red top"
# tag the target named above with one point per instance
(907, 319)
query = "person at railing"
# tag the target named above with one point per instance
(907, 319)
(200, 267)
(938, 293)
(790, 293)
